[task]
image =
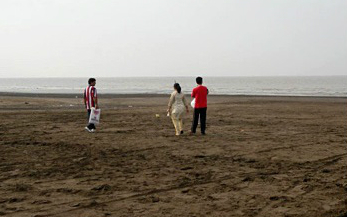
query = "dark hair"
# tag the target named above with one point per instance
(177, 87)
(91, 80)
(199, 80)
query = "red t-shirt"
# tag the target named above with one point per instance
(200, 95)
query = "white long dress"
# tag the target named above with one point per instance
(178, 105)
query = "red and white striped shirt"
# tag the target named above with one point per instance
(90, 96)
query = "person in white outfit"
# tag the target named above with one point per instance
(177, 107)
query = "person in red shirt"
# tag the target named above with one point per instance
(90, 101)
(200, 95)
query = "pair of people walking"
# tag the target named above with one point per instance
(178, 106)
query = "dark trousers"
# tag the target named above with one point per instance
(202, 113)
(90, 126)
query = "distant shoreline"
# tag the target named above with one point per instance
(140, 95)
(156, 87)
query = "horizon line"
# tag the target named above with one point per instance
(231, 76)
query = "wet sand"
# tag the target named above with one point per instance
(262, 156)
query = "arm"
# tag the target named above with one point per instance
(84, 99)
(96, 102)
(95, 98)
(185, 103)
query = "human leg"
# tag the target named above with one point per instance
(203, 120)
(90, 126)
(195, 120)
(180, 124)
(176, 125)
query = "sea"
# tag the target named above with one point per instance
(328, 86)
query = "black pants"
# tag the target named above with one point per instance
(90, 126)
(202, 113)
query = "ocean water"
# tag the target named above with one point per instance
(283, 86)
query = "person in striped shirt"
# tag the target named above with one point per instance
(90, 100)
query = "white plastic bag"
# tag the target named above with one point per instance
(94, 116)
(193, 103)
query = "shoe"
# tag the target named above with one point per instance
(181, 132)
(203, 133)
(87, 129)
(93, 130)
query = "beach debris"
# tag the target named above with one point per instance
(247, 179)
(274, 158)
(199, 156)
(185, 191)
(130, 106)
(157, 115)
(104, 187)
(76, 97)
(79, 159)
(326, 171)
(92, 203)
(326, 207)
(274, 198)
(184, 182)
(75, 205)
(26, 103)
(306, 179)
(71, 105)
(187, 168)
(39, 215)
(155, 199)
(41, 202)
(251, 161)
(210, 197)
(15, 200)
(20, 187)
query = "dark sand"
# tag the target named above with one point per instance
(262, 156)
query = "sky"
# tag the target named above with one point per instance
(122, 38)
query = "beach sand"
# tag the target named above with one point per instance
(262, 156)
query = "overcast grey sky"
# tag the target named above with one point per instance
(82, 38)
